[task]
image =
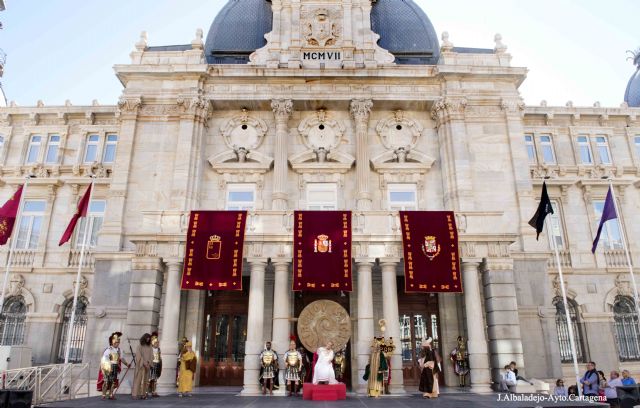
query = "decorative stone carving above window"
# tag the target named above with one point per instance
(399, 135)
(322, 136)
(243, 135)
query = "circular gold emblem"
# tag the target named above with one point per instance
(323, 321)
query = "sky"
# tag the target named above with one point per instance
(66, 49)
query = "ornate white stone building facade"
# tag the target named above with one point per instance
(322, 116)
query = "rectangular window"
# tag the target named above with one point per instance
(95, 217)
(584, 150)
(322, 196)
(91, 150)
(546, 146)
(555, 224)
(603, 149)
(610, 237)
(110, 149)
(34, 149)
(636, 141)
(531, 148)
(52, 150)
(402, 197)
(241, 197)
(30, 224)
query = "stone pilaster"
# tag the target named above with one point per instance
(169, 330)
(282, 109)
(111, 233)
(145, 292)
(361, 110)
(477, 343)
(255, 329)
(281, 312)
(365, 321)
(449, 114)
(503, 322)
(392, 316)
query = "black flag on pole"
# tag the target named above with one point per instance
(544, 208)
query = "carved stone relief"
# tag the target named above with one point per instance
(321, 27)
(323, 321)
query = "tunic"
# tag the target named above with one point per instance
(144, 357)
(109, 368)
(268, 359)
(187, 370)
(429, 375)
(323, 370)
(156, 365)
(293, 361)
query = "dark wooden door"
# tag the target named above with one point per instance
(224, 337)
(303, 299)
(419, 320)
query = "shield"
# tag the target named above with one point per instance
(430, 247)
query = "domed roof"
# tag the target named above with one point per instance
(632, 94)
(405, 31)
(237, 31)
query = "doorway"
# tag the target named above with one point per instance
(224, 337)
(419, 320)
(303, 299)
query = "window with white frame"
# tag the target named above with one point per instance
(95, 217)
(531, 148)
(611, 236)
(30, 224)
(402, 197)
(91, 149)
(33, 152)
(555, 223)
(111, 143)
(603, 149)
(546, 148)
(322, 196)
(53, 147)
(241, 197)
(584, 150)
(636, 141)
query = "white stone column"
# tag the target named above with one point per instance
(360, 110)
(169, 330)
(255, 331)
(477, 342)
(391, 315)
(281, 314)
(365, 320)
(282, 109)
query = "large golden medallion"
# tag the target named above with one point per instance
(323, 321)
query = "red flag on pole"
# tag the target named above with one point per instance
(83, 207)
(8, 214)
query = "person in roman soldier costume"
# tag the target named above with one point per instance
(339, 363)
(110, 366)
(293, 367)
(269, 368)
(305, 372)
(156, 365)
(460, 359)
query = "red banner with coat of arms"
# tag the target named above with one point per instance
(213, 258)
(431, 259)
(322, 251)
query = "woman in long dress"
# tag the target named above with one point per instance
(323, 370)
(429, 363)
(187, 370)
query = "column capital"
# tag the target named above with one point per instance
(280, 262)
(282, 108)
(471, 261)
(389, 262)
(173, 261)
(257, 261)
(365, 262)
(128, 107)
(361, 108)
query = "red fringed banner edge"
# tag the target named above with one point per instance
(431, 258)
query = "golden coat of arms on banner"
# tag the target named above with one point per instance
(214, 247)
(322, 244)
(430, 248)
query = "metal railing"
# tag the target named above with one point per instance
(50, 383)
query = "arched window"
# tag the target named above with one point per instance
(563, 330)
(626, 328)
(12, 321)
(77, 332)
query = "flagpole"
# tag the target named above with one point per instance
(626, 248)
(13, 239)
(78, 276)
(572, 340)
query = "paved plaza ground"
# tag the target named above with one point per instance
(208, 398)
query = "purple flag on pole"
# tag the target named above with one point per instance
(608, 213)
